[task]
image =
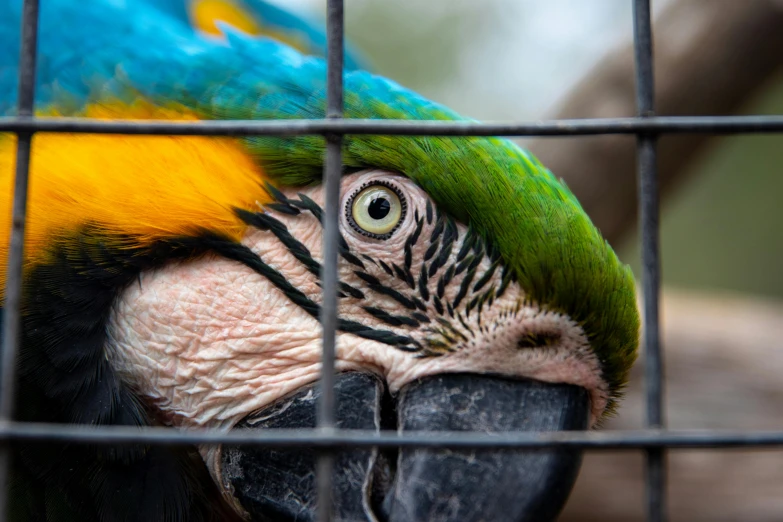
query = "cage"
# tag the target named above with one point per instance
(326, 439)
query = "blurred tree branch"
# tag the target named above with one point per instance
(723, 368)
(711, 56)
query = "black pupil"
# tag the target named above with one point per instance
(379, 208)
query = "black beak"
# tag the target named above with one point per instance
(419, 484)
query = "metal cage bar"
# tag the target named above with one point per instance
(13, 288)
(557, 128)
(342, 439)
(327, 438)
(647, 161)
(333, 167)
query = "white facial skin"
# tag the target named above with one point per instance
(210, 341)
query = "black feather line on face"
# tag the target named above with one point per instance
(419, 304)
(450, 328)
(392, 320)
(463, 288)
(408, 255)
(386, 267)
(467, 244)
(242, 254)
(294, 246)
(431, 251)
(486, 277)
(414, 238)
(505, 279)
(449, 237)
(439, 226)
(423, 281)
(352, 258)
(308, 204)
(374, 283)
(441, 241)
(438, 305)
(404, 276)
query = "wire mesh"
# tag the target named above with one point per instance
(326, 438)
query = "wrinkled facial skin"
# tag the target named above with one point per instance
(210, 341)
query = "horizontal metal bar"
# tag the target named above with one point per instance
(652, 125)
(335, 439)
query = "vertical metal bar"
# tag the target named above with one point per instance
(13, 287)
(651, 275)
(332, 174)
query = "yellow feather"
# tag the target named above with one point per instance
(149, 187)
(205, 15)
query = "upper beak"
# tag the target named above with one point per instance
(417, 484)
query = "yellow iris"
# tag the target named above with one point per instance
(377, 209)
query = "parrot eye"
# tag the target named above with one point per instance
(376, 209)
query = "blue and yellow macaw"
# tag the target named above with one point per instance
(174, 281)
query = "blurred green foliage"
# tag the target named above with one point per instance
(420, 52)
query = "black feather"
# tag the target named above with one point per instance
(64, 377)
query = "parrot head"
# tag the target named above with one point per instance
(175, 281)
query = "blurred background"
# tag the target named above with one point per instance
(721, 239)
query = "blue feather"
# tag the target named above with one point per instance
(81, 44)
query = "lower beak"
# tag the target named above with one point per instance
(417, 484)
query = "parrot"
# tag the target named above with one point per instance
(176, 281)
